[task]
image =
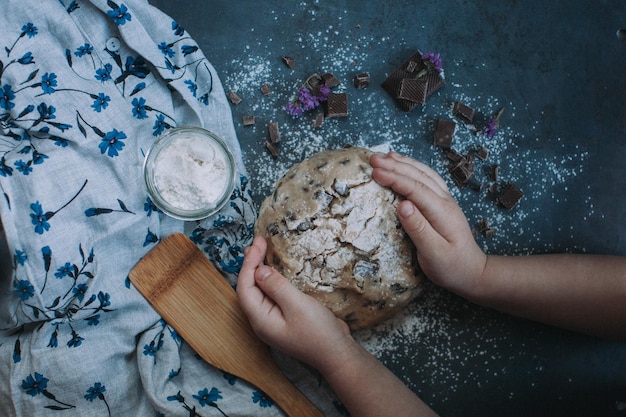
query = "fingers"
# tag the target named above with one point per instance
(409, 167)
(250, 296)
(417, 185)
(418, 227)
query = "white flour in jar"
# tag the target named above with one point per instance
(191, 173)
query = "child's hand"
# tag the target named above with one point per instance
(446, 249)
(287, 319)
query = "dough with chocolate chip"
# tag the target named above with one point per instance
(334, 233)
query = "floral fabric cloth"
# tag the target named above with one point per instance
(85, 88)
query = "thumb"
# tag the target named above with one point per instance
(275, 286)
(415, 224)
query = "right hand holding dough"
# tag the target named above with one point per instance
(446, 249)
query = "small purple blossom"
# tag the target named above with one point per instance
(491, 127)
(433, 60)
(307, 98)
(324, 92)
(294, 108)
(310, 95)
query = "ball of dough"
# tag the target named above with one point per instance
(334, 233)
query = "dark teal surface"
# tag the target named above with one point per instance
(559, 70)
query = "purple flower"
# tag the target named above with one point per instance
(310, 95)
(492, 125)
(307, 98)
(490, 129)
(433, 60)
(294, 109)
(324, 92)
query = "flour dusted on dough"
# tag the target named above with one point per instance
(333, 231)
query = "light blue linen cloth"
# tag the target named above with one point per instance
(85, 88)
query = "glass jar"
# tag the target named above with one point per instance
(189, 173)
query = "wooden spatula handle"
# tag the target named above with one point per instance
(191, 295)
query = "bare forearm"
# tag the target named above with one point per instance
(584, 293)
(367, 388)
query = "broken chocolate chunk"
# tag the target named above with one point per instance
(453, 156)
(265, 89)
(413, 90)
(234, 98)
(482, 153)
(271, 148)
(463, 112)
(289, 61)
(463, 170)
(337, 105)
(272, 128)
(248, 120)
(510, 196)
(444, 132)
(362, 80)
(319, 120)
(330, 80)
(493, 172)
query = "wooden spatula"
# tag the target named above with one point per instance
(190, 294)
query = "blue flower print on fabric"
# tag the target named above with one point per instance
(36, 384)
(96, 392)
(104, 74)
(263, 400)
(29, 30)
(119, 14)
(40, 219)
(111, 143)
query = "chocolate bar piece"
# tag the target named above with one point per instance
(444, 132)
(330, 80)
(272, 128)
(413, 90)
(482, 153)
(413, 67)
(435, 82)
(462, 171)
(463, 112)
(248, 120)
(362, 80)
(234, 98)
(265, 89)
(492, 171)
(319, 120)
(337, 105)
(510, 196)
(271, 148)
(289, 61)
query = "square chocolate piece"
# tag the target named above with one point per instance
(248, 120)
(362, 80)
(234, 98)
(413, 90)
(444, 132)
(337, 105)
(510, 196)
(265, 89)
(463, 112)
